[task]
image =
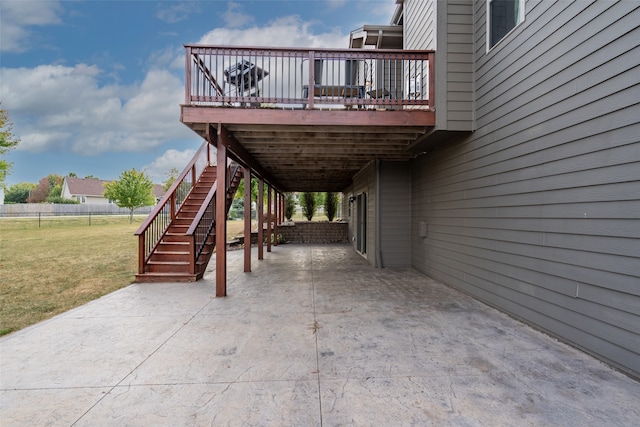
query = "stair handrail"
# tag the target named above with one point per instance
(207, 211)
(154, 227)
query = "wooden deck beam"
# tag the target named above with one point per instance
(242, 156)
(349, 118)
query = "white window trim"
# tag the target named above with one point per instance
(521, 18)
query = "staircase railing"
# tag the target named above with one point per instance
(201, 227)
(156, 224)
(205, 220)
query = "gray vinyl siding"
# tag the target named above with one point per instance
(446, 27)
(420, 24)
(364, 182)
(538, 211)
(395, 214)
(459, 59)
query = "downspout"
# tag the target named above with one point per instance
(377, 224)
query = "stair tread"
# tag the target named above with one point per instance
(151, 261)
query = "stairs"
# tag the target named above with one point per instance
(174, 257)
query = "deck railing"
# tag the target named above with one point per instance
(205, 220)
(308, 78)
(155, 226)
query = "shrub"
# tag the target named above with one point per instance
(281, 239)
(331, 205)
(308, 204)
(289, 206)
(62, 201)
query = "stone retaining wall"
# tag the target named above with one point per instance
(315, 232)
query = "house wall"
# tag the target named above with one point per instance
(363, 182)
(96, 200)
(395, 214)
(446, 27)
(538, 211)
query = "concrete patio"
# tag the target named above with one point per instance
(313, 336)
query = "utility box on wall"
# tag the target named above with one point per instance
(422, 229)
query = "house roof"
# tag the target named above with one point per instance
(95, 187)
(85, 186)
(158, 191)
(379, 36)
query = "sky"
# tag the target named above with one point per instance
(94, 87)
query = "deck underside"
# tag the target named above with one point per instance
(312, 150)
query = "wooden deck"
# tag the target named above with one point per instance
(282, 120)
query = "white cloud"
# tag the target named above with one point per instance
(288, 31)
(17, 16)
(234, 16)
(178, 11)
(160, 167)
(56, 107)
(384, 10)
(336, 4)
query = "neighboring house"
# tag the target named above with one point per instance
(91, 190)
(84, 190)
(526, 192)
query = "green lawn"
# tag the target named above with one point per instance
(51, 265)
(56, 264)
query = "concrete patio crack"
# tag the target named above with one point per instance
(111, 389)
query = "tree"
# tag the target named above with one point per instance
(308, 203)
(331, 205)
(55, 188)
(172, 175)
(254, 190)
(48, 188)
(289, 206)
(131, 190)
(19, 193)
(7, 142)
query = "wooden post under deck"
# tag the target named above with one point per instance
(276, 198)
(269, 218)
(221, 216)
(260, 218)
(247, 219)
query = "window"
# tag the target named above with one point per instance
(502, 17)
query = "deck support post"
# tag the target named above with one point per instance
(260, 218)
(247, 219)
(221, 214)
(269, 218)
(276, 213)
(284, 205)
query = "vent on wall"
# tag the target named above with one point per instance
(422, 229)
